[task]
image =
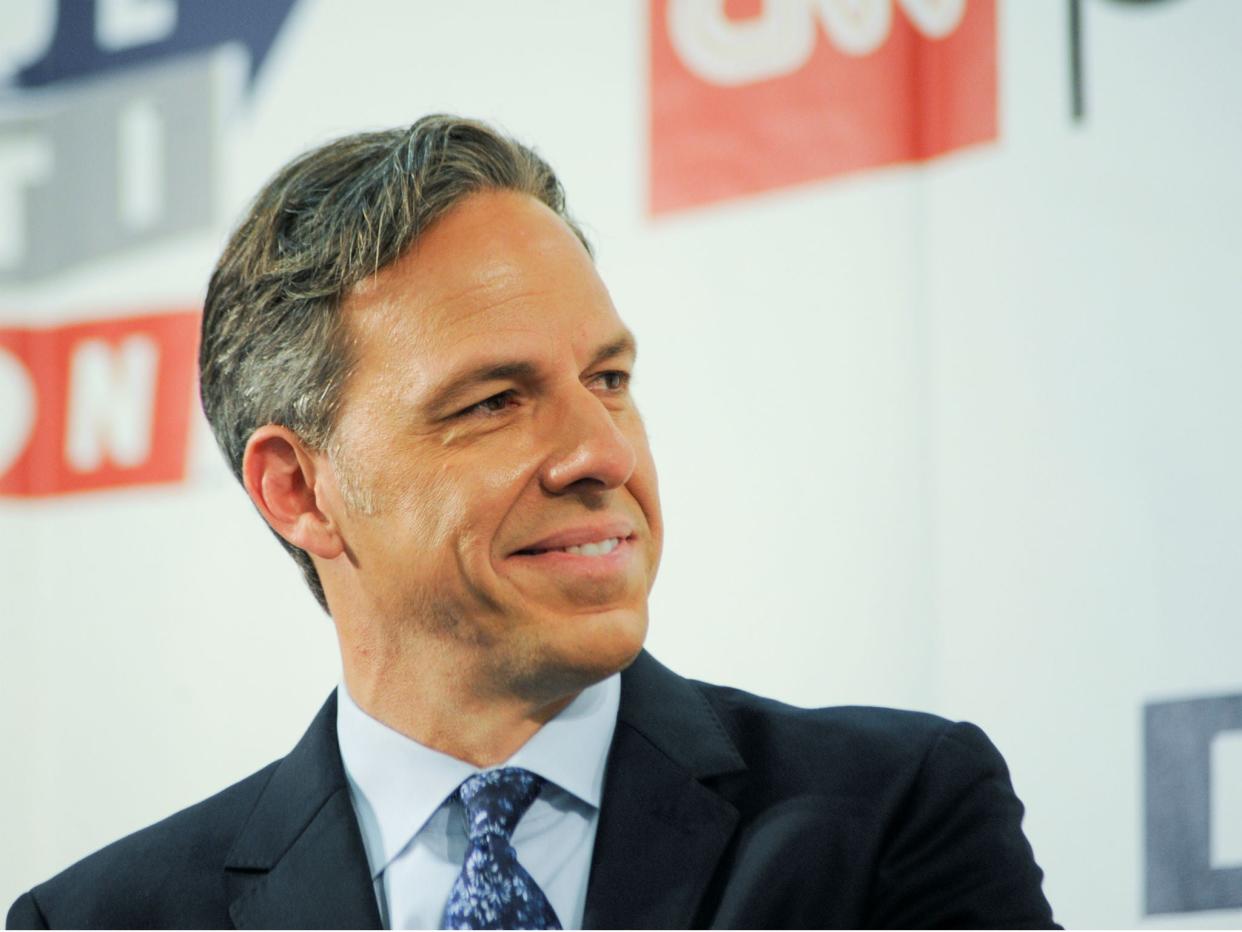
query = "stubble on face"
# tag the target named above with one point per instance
(437, 504)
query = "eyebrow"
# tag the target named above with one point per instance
(623, 345)
(516, 370)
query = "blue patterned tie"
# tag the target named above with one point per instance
(493, 891)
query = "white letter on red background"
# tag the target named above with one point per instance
(111, 402)
(17, 401)
(726, 51)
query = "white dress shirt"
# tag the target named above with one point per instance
(414, 832)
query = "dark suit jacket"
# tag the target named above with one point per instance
(719, 809)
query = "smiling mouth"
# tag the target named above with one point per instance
(598, 548)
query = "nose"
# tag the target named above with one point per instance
(591, 452)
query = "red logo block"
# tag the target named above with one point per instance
(748, 95)
(96, 405)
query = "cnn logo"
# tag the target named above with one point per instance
(780, 39)
(747, 96)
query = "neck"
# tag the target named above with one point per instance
(436, 699)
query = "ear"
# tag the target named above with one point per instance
(280, 475)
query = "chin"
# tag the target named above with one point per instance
(601, 646)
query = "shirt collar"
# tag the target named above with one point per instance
(571, 750)
(403, 783)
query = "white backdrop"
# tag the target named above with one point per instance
(958, 435)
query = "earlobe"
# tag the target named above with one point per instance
(280, 474)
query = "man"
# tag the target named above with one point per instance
(415, 371)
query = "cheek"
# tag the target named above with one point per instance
(457, 507)
(646, 490)
(503, 482)
(432, 507)
(656, 522)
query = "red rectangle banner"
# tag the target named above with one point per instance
(96, 405)
(748, 95)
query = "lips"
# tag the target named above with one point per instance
(592, 539)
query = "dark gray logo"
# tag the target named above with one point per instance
(1191, 749)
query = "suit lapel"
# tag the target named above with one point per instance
(661, 830)
(299, 861)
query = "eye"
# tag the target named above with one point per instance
(614, 380)
(493, 405)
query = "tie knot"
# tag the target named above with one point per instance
(495, 801)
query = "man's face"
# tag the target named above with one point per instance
(489, 426)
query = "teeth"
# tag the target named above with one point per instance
(596, 549)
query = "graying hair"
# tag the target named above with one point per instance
(274, 348)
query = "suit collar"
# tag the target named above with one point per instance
(662, 831)
(299, 862)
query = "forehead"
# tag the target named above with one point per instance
(500, 270)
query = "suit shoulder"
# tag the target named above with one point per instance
(867, 746)
(879, 728)
(128, 882)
